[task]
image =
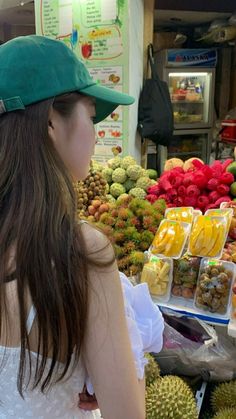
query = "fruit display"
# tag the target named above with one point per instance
(170, 397)
(170, 238)
(130, 224)
(93, 187)
(152, 370)
(124, 175)
(185, 276)
(214, 286)
(184, 214)
(233, 301)
(225, 414)
(208, 236)
(232, 228)
(193, 183)
(157, 273)
(224, 396)
(229, 252)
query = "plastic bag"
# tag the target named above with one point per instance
(193, 348)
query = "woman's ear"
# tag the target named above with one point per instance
(51, 125)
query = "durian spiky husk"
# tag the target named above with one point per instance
(152, 370)
(170, 397)
(224, 396)
(229, 413)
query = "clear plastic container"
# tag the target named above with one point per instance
(222, 212)
(170, 238)
(213, 293)
(184, 214)
(158, 274)
(208, 236)
(185, 277)
(232, 229)
(196, 213)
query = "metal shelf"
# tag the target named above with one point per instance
(185, 153)
(186, 308)
(187, 101)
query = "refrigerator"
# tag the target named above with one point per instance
(190, 75)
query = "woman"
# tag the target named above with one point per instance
(61, 304)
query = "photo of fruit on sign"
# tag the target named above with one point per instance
(86, 50)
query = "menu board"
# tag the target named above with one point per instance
(97, 31)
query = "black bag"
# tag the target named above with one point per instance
(155, 113)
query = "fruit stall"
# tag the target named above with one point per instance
(177, 233)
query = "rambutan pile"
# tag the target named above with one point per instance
(131, 223)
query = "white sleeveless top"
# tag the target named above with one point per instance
(59, 403)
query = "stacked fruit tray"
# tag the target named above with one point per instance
(184, 268)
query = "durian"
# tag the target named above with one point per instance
(224, 396)
(152, 370)
(206, 415)
(170, 397)
(229, 413)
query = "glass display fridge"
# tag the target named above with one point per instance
(185, 145)
(190, 75)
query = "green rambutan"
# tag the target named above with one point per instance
(123, 263)
(133, 221)
(120, 224)
(147, 236)
(153, 229)
(110, 221)
(149, 212)
(158, 216)
(160, 205)
(132, 234)
(119, 251)
(144, 246)
(147, 221)
(124, 213)
(114, 213)
(118, 236)
(104, 217)
(137, 204)
(129, 246)
(124, 199)
(129, 231)
(136, 257)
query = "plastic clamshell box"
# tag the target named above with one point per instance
(221, 212)
(196, 213)
(172, 227)
(213, 283)
(204, 253)
(185, 280)
(184, 214)
(149, 270)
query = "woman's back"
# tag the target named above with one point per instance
(62, 399)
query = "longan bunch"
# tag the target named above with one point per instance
(93, 187)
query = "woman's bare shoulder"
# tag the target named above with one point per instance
(98, 246)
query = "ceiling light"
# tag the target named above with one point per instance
(22, 3)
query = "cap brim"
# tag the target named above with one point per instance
(107, 100)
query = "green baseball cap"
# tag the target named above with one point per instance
(35, 68)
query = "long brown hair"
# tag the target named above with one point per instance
(38, 217)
